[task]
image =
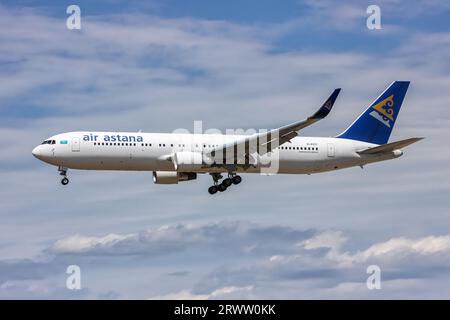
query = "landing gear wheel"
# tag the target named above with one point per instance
(212, 189)
(221, 187)
(227, 182)
(236, 179)
(64, 181)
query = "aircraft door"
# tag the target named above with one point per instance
(330, 150)
(75, 144)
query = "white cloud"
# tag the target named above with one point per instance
(79, 244)
(394, 251)
(228, 235)
(221, 293)
(283, 262)
(327, 239)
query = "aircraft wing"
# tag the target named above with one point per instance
(267, 141)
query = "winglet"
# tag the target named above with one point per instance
(326, 107)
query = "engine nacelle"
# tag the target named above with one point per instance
(187, 161)
(172, 177)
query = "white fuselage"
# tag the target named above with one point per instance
(154, 152)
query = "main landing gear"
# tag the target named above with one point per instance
(221, 187)
(63, 172)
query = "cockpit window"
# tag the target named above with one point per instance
(49, 142)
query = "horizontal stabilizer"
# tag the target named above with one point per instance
(390, 146)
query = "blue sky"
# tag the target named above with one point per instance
(158, 67)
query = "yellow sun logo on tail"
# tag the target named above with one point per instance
(383, 111)
(385, 107)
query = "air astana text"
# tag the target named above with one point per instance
(113, 138)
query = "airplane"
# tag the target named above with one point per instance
(179, 157)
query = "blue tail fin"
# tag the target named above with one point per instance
(376, 123)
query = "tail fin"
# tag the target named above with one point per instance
(376, 123)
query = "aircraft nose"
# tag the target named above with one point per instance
(36, 152)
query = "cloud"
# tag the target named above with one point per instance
(79, 244)
(424, 246)
(284, 261)
(40, 290)
(229, 236)
(222, 293)
(322, 264)
(393, 252)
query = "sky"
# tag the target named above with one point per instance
(158, 66)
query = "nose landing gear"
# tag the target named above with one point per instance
(232, 179)
(63, 172)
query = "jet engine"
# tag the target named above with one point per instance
(172, 177)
